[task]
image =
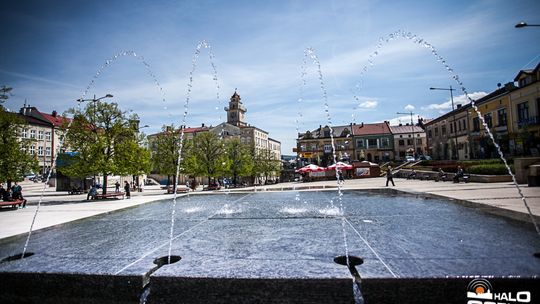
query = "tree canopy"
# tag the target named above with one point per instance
(14, 159)
(105, 141)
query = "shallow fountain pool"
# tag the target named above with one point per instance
(272, 247)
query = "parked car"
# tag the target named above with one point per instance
(424, 157)
(409, 158)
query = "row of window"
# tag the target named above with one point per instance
(401, 142)
(40, 150)
(370, 143)
(32, 134)
(502, 120)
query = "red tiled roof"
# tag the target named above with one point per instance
(57, 120)
(405, 129)
(371, 129)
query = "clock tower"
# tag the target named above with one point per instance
(236, 113)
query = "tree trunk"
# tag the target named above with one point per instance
(175, 184)
(104, 183)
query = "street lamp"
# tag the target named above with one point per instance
(524, 24)
(412, 127)
(453, 118)
(94, 100)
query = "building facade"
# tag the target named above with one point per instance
(525, 113)
(373, 142)
(315, 147)
(45, 131)
(409, 140)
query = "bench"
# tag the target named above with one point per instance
(14, 204)
(111, 195)
(179, 190)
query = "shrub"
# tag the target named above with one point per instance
(489, 169)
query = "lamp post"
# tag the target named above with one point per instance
(412, 127)
(524, 24)
(94, 100)
(454, 152)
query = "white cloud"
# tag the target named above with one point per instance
(409, 107)
(447, 105)
(368, 104)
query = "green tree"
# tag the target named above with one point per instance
(105, 141)
(165, 148)
(239, 162)
(205, 156)
(266, 163)
(14, 161)
(5, 92)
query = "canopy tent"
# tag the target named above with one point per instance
(340, 165)
(310, 168)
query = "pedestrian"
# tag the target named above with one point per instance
(127, 189)
(459, 174)
(389, 176)
(441, 175)
(92, 194)
(412, 175)
(117, 187)
(16, 191)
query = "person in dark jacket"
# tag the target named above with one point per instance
(389, 176)
(127, 189)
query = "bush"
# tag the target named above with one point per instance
(489, 169)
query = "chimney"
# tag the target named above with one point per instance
(362, 125)
(400, 124)
(202, 125)
(458, 105)
(54, 113)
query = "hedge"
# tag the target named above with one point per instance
(489, 169)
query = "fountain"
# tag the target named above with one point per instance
(272, 247)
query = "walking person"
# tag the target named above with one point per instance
(127, 189)
(117, 187)
(389, 176)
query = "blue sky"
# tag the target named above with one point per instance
(51, 50)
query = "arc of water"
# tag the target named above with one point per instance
(420, 41)
(310, 52)
(107, 63)
(200, 45)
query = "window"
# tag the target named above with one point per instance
(523, 112)
(360, 143)
(327, 148)
(48, 151)
(40, 151)
(372, 143)
(451, 129)
(40, 135)
(488, 119)
(443, 130)
(326, 133)
(501, 117)
(409, 142)
(418, 141)
(429, 133)
(476, 124)
(32, 150)
(436, 131)
(401, 142)
(313, 146)
(32, 133)
(48, 136)
(24, 133)
(385, 142)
